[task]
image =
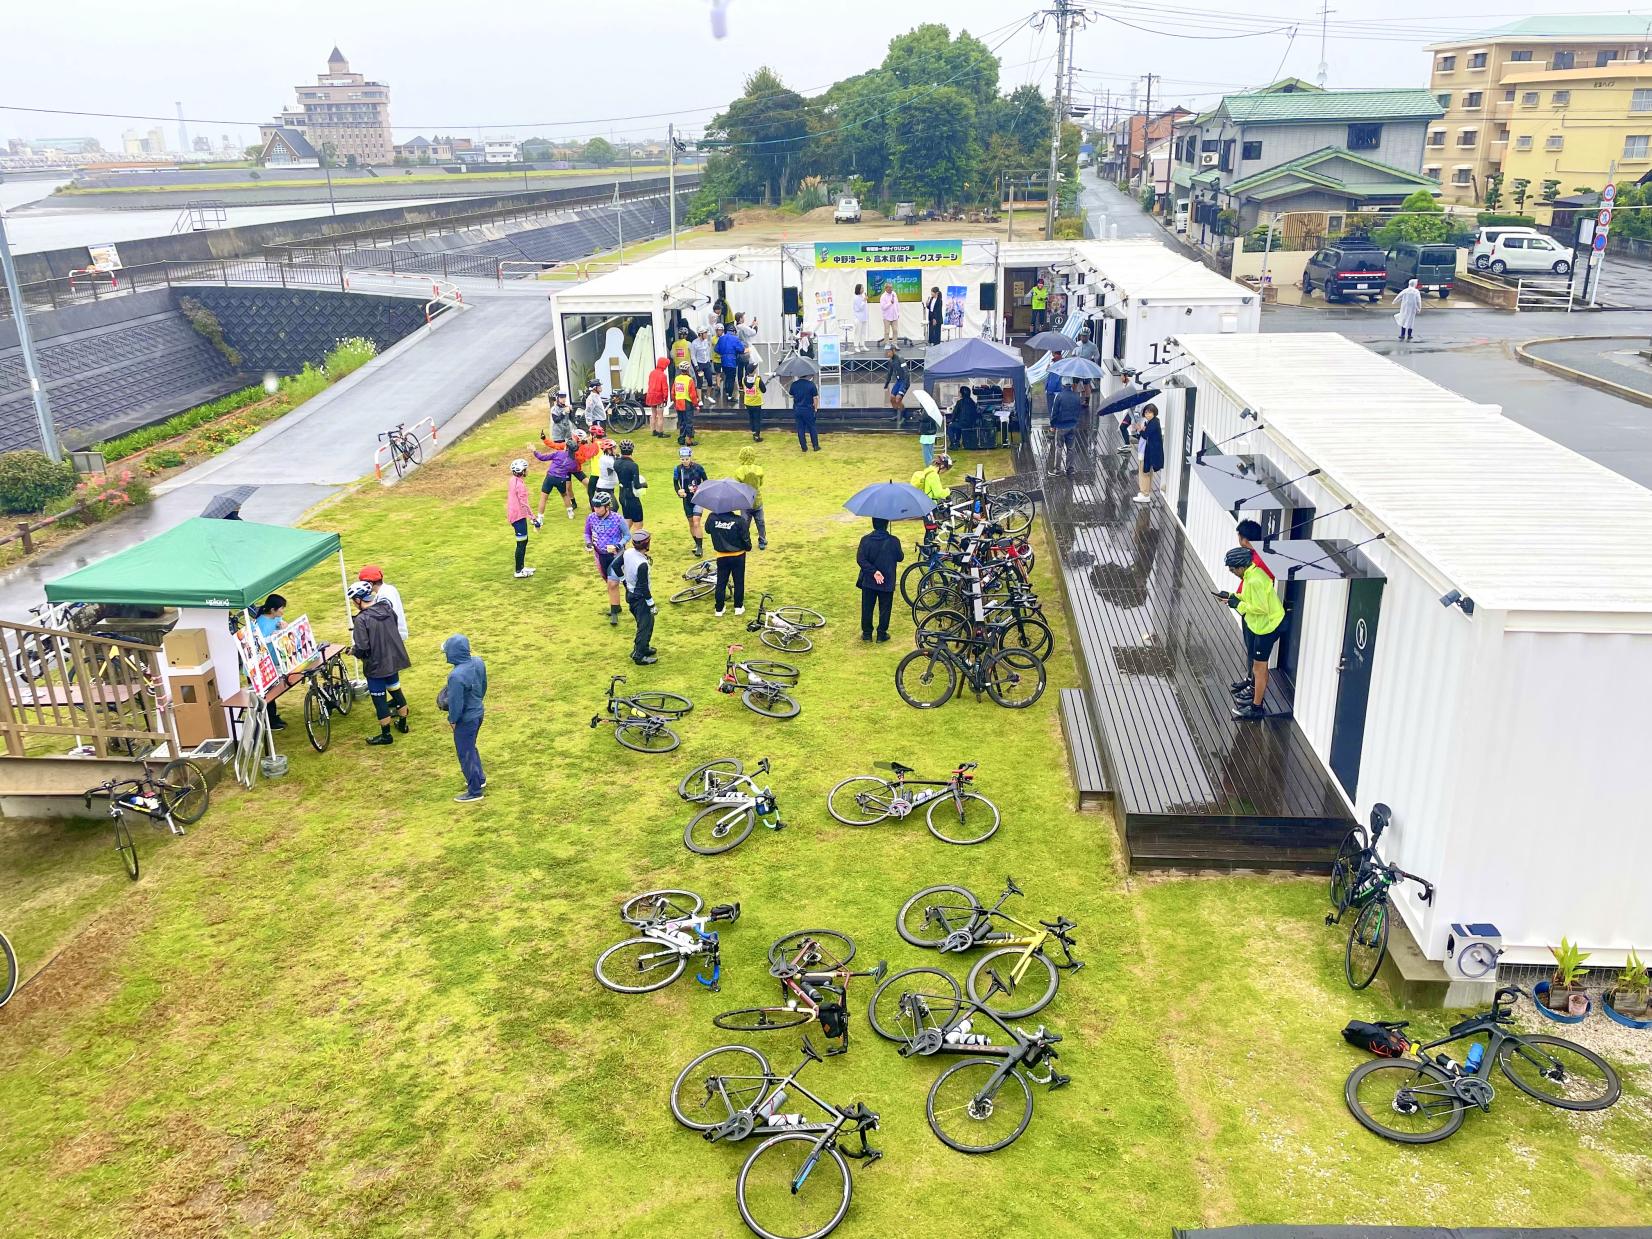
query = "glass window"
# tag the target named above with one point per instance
(1641, 101)
(1468, 137)
(1634, 146)
(1473, 99)
(1564, 60)
(1561, 98)
(1602, 59)
(1460, 176)
(1477, 60)
(1554, 142)
(1436, 137)
(1432, 169)
(1208, 146)
(1508, 95)
(1364, 137)
(1447, 63)
(1444, 98)
(1528, 99)
(1521, 57)
(1251, 150)
(1523, 142)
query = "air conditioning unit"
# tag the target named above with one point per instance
(1207, 159)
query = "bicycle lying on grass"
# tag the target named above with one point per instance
(928, 677)
(1422, 1100)
(1360, 879)
(8, 970)
(796, 1183)
(762, 685)
(175, 798)
(812, 966)
(965, 817)
(330, 692)
(639, 719)
(733, 806)
(984, 1102)
(701, 578)
(673, 932)
(950, 918)
(783, 628)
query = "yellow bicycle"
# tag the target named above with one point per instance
(951, 918)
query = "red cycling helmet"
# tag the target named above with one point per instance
(371, 572)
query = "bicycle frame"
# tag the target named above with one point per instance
(744, 1121)
(672, 935)
(1032, 942)
(835, 981)
(899, 807)
(1019, 1051)
(127, 794)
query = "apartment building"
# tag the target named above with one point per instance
(1570, 128)
(342, 109)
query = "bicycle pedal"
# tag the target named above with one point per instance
(1060, 1081)
(1330, 920)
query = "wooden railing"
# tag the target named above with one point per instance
(98, 691)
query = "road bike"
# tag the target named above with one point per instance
(1360, 880)
(8, 970)
(175, 798)
(1424, 1099)
(702, 579)
(405, 452)
(812, 966)
(929, 676)
(329, 692)
(951, 918)
(626, 412)
(672, 932)
(639, 719)
(796, 1183)
(731, 811)
(38, 652)
(763, 689)
(984, 1101)
(1003, 626)
(783, 628)
(955, 815)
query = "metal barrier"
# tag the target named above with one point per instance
(1543, 293)
(78, 288)
(530, 266)
(381, 454)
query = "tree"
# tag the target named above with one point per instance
(1518, 189)
(536, 149)
(599, 151)
(765, 129)
(251, 153)
(1549, 192)
(1494, 191)
(929, 56)
(1421, 219)
(1022, 117)
(932, 152)
(329, 154)
(849, 127)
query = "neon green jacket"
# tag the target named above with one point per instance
(1259, 602)
(929, 481)
(750, 473)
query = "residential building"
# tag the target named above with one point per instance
(1472, 80)
(425, 150)
(288, 148)
(1295, 150)
(1132, 136)
(343, 110)
(1573, 126)
(501, 150)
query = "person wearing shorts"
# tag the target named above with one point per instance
(605, 537)
(1257, 601)
(375, 640)
(686, 479)
(560, 472)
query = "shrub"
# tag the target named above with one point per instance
(138, 440)
(1488, 219)
(166, 458)
(1069, 228)
(348, 355)
(206, 323)
(29, 481)
(105, 494)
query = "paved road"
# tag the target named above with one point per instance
(1617, 360)
(329, 442)
(1105, 206)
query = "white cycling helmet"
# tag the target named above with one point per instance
(519, 466)
(359, 591)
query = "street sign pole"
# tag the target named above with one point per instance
(1603, 224)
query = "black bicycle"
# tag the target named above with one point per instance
(639, 719)
(626, 412)
(8, 970)
(405, 452)
(929, 676)
(1424, 1099)
(1360, 880)
(329, 692)
(983, 1102)
(175, 798)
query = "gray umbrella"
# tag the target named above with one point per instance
(797, 366)
(1077, 368)
(1052, 342)
(226, 504)
(724, 495)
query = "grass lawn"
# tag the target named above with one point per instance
(345, 1005)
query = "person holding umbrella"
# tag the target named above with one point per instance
(1151, 439)
(804, 393)
(730, 540)
(880, 551)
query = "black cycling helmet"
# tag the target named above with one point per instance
(627, 447)
(1237, 557)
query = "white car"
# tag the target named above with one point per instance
(1480, 253)
(848, 211)
(1529, 252)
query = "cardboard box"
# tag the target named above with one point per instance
(186, 647)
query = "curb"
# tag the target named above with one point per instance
(1632, 394)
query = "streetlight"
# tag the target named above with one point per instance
(19, 314)
(631, 157)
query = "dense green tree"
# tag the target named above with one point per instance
(536, 149)
(599, 151)
(932, 152)
(850, 127)
(1421, 219)
(1023, 117)
(767, 127)
(929, 56)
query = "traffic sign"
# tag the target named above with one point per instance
(1600, 242)
(1609, 195)
(1605, 217)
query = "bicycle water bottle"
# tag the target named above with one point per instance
(1476, 1052)
(958, 1032)
(766, 1109)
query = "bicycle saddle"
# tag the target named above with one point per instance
(809, 1050)
(724, 912)
(1011, 888)
(1381, 815)
(893, 766)
(783, 969)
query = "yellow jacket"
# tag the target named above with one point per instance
(929, 481)
(1259, 602)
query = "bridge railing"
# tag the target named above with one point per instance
(83, 287)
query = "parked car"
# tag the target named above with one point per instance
(1527, 253)
(848, 211)
(1433, 266)
(1346, 269)
(1480, 253)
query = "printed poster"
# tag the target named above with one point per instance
(831, 355)
(952, 311)
(285, 650)
(825, 306)
(909, 286)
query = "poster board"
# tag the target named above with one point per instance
(952, 312)
(908, 285)
(268, 659)
(104, 257)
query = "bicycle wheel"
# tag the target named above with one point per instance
(909, 1002)
(787, 642)
(826, 949)
(317, 725)
(937, 594)
(762, 1019)
(625, 418)
(1013, 510)
(645, 735)
(768, 669)
(1367, 944)
(970, 1111)
(1028, 633)
(800, 617)
(964, 818)
(639, 966)
(945, 628)
(1015, 678)
(8, 970)
(1031, 994)
(1559, 1072)
(1403, 1099)
(693, 592)
(344, 688)
(705, 781)
(661, 705)
(697, 1098)
(127, 849)
(926, 679)
(793, 1187)
(911, 575)
(770, 703)
(719, 828)
(411, 449)
(933, 913)
(1344, 867)
(186, 792)
(860, 800)
(650, 906)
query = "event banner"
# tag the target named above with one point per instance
(268, 659)
(908, 285)
(842, 254)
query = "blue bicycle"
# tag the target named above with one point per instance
(673, 931)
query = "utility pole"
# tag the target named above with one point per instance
(19, 315)
(1325, 11)
(1060, 12)
(1146, 133)
(671, 177)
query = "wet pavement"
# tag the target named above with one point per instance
(1617, 359)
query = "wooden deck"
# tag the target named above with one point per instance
(1191, 786)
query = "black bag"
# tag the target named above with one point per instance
(1385, 1039)
(834, 1019)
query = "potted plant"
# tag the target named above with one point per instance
(1565, 995)
(1629, 1001)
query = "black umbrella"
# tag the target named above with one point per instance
(797, 366)
(226, 504)
(1052, 342)
(724, 495)
(1128, 400)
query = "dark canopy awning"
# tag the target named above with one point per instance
(975, 358)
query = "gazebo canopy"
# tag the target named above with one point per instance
(200, 563)
(975, 358)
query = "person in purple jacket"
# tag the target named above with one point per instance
(606, 534)
(560, 468)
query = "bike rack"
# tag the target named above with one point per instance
(380, 453)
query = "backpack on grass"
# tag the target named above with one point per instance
(1384, 1039)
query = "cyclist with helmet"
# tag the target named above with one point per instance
(685, 480)
(519, 513)
(596, 409)
(1258, 603)
(608, 465)
(586, 450)
(631, 481)
(374, 576)
(375, 641)
(632, 569)
(560, 470)
(605, 537)
(562, 419)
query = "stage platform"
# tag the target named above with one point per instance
(1191, 786)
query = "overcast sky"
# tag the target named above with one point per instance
(622, 68)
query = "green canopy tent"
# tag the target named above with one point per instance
(200, 563)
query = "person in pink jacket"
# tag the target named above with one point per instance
(519, 511)
(890, 306)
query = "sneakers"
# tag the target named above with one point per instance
(1138, 498)
(383, 737)
(1242, 686)
(739, 610)
(883, 636)
(613, 619)
(279, 724)
(762, 544)
(570, 514)
(645, 660)
(523, 574)
(718, 614)
(1250, 712)
(401, 725)
(467, 797)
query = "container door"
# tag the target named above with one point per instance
(1359, 648)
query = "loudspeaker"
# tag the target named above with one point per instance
(989, 296)
(791, 300)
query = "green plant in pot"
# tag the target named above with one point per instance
(1566, 991)
(1631, 992)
